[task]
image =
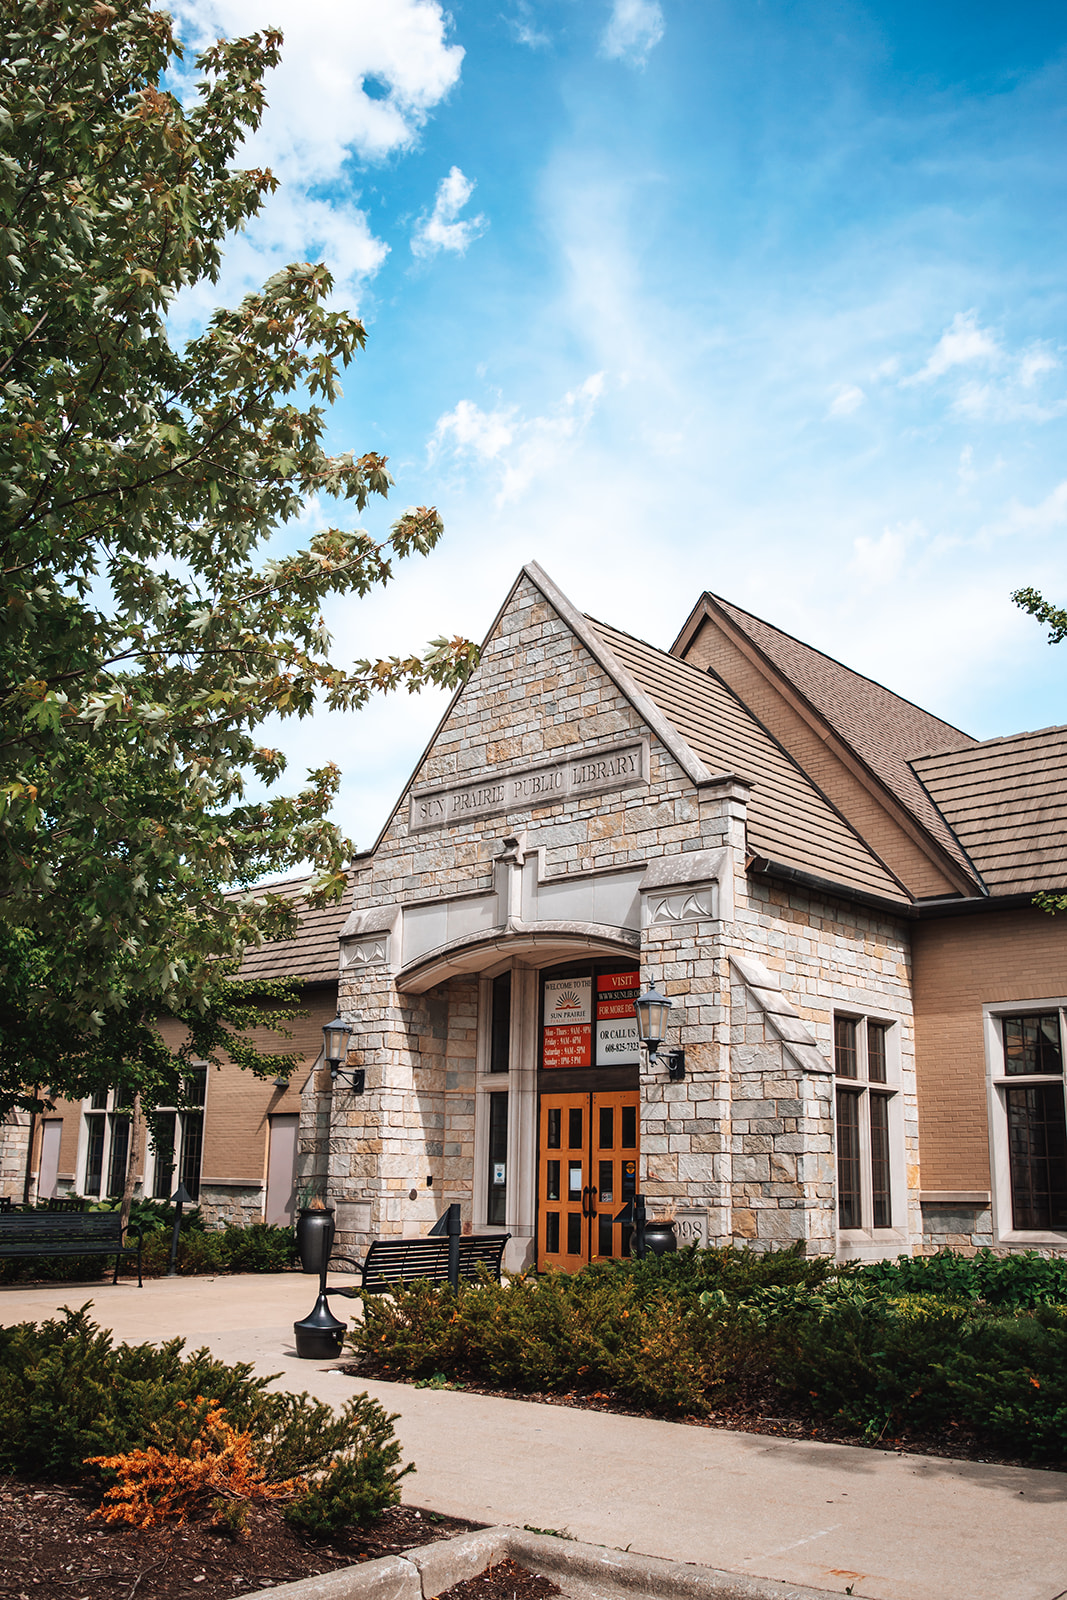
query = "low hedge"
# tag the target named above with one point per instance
(67, 1394)
(684, 1334)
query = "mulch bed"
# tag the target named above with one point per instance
(761, 1408)
(49, 1548)
(506, 1581)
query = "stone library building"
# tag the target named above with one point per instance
(834, 888)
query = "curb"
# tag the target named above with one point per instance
(428, 1570)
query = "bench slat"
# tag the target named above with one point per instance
(392, 1261)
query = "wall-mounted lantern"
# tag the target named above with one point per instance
(335, 1037)
(653, 1013)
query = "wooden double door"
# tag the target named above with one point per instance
(587, 1170)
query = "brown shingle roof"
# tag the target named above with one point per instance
(313, 955)
(789, 820)
(1006, 799)
(883, 729)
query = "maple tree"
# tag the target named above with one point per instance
(154, 611)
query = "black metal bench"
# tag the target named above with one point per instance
(53, 1233)
(389, 1262)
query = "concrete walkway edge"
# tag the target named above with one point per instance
(428, 1570)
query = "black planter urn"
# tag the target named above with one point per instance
(660, 1238)
(314, 1239)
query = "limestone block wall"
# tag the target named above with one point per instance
(782, 1121)
(14, 1148)
(685, 1127)
(403, 1150)
(832, 956)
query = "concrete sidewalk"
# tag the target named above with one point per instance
(893, 1527)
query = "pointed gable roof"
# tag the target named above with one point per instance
(1007, 801)
(790, 821)
(881, 729)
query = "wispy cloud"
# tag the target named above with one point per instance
(633, 31)
(443, 229)
(877, 562)
(962, 344)
(1044, 517)
(525, 450)
(848, 398)
(355, 82)
(525, 28)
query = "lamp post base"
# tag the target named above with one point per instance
(320, 1336)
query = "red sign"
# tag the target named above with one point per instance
(616, 993)
(568, 1046)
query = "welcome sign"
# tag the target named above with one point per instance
(568, 1030)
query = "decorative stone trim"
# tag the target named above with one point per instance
(795, 1035)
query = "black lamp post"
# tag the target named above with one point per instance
(653, 1012)
(181, 1197)
(319, 1336)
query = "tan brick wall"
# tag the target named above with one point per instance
(961, 964)
(712, 648)
(238, 1104)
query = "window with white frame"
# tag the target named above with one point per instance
(1026, 1050)
(864, 1105)
(176, 1142)
(106, 1146)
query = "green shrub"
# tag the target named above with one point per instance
(361, 1481)
(681, 1333)
(257, 1248)
(66, 1393)
(601, 1329)
(1024, 1280)
(886, 1365)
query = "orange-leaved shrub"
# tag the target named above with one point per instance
(211, 1472)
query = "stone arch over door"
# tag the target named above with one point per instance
(523, 954)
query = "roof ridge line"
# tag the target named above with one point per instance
(882, 787)
(732, 605)
(606, 659)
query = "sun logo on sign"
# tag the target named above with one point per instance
(569, 1001)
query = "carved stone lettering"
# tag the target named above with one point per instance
(596, 772)
(691, 1226)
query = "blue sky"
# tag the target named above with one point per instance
(765, 298)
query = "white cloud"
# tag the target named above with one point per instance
(442, 229)
(847, 399)
(525, 29)
(525, 450)
(878, 561)
(319, 108)
(962, 344)
(1034, 362)
(319, 117)
(469, 429)
(633, 30)
(1044, 517)
(296, 229)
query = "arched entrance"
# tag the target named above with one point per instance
(588, 1112)
(557, 1101)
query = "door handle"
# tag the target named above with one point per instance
(587, 1200)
